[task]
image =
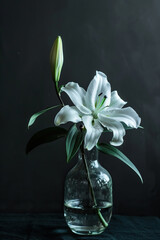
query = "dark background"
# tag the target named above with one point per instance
(119, 38)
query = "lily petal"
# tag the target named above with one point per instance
(77, 95)
(127, 115)
(116, 101)
(114, 126)
(93, 133)
(67, 114)
(98, 86)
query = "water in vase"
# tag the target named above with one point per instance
(83, 219)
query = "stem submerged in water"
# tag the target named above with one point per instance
(105, 224)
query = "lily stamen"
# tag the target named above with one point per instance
(98, 100)
(102, 102)
(104, 107)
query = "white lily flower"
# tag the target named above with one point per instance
(97, 108)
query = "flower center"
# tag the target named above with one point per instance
(94, 114)
(98, 105)
(100, 101)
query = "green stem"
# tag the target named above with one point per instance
(58, 93)
(105, 224)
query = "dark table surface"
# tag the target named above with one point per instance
(53, 226)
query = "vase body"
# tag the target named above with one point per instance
(88, 190)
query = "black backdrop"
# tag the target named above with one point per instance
(120, 38)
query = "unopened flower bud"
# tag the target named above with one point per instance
(56, 58)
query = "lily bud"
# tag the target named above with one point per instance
(56, 59)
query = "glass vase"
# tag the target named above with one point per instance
(88, 195)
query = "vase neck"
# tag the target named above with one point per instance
(90, 156)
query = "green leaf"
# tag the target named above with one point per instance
(45, 136)
(108, 149)
(125, 127)
(34, 116)
(74, 140)
(128, 128)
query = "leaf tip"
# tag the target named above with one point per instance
(29, 124)
(31, 121)
(141, 179)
